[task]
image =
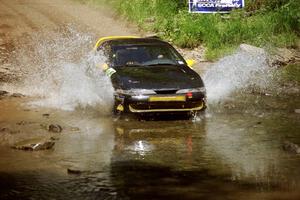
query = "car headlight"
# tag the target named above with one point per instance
(184, 91)
(135, 92)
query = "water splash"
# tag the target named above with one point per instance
(74, 86)
(61, 70)
(237, 72)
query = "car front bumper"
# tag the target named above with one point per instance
(161, 103)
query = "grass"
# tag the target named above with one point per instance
(262, 23)
(291, 73)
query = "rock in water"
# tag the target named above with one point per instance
(291, 147)
(74, 171)
(17, 95)
(43, 146)
(3, 93)
(3, 129)
(297, 111)
(34, 145)
(55, 128)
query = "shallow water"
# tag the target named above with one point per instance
(233, 151)
(230, 153)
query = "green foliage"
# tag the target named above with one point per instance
(265, 4)
(262, 23)
(291, 73)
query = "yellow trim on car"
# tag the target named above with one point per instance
(166, 110)
(104, 39)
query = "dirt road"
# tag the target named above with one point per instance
(19, 18)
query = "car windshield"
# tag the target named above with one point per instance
(144, 55)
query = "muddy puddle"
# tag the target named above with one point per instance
(234, 151)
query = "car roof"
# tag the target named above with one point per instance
(128, 40)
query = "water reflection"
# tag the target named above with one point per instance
(233, 154)
(156, 141)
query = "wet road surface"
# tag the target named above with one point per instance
(230, 153)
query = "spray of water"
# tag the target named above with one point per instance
(61, 70)
(237, 72)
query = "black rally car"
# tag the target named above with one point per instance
(149, 75)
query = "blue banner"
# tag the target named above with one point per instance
(214, 6)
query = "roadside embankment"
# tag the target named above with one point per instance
(262, 23)
(271, 25)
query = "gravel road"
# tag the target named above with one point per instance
(20, 19)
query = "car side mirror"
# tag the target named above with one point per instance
(190, 62)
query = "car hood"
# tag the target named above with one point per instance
(156, 77)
